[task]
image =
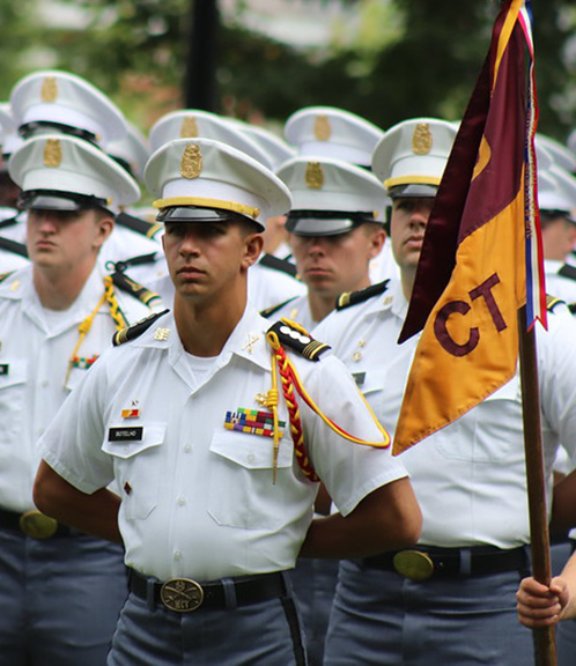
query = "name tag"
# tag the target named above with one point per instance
(125, 434)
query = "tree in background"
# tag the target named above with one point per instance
(403, 58)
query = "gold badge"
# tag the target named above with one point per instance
(52, 153)
(314, 176)
(191, 163)
(161, 334)
(189, 128)
(49, 91)
(422, 139)
(322, 129)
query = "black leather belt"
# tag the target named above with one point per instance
(423, 562)
(35, 524)
(184, 595)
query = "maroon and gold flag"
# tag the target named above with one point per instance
(471, 278)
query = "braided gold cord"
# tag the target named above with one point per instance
(115, 312)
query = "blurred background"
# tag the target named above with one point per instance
(260, 60)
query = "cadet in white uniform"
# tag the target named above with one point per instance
(188, 419)
(451, 600)
(271, 280)
(62, 589)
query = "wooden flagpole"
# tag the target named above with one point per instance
(544, 641)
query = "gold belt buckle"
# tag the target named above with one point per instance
(182, 595)
(413, 564)
(37, 525)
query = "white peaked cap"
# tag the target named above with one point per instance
(414, 152)
(210, 174)
(323, 184)
(556, 190)
(9, 139)
(276, 149)
(561, 154)
(52, 96)
(133, 149)
(325, 131)
(57, 163)
(197, 124)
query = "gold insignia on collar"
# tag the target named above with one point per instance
(314, 176)
(52, 153)
(252, 340)
(161, 334)
(49, 91)
(189, 128)
(15, 285)
(191, 163)
(422, 139)
(322, 129)
(357, 356)
(387, 300)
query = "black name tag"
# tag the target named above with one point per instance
(4, 367)
(125, 434)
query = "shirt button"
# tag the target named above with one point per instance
(177, 555)
(181, 501)
(187, 448)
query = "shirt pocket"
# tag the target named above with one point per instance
(136, 466)
(242, 493)
(490, 432)
(13, 381)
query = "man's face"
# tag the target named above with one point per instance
(407, 226)
(330, 265)
(207, 258)
(65, 239)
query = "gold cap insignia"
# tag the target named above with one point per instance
(49, 91)
(52, 153)
(191, 163)
(322, 129)
(422, 139)
(189, 128)
(314, 176)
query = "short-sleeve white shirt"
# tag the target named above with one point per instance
(199, 499)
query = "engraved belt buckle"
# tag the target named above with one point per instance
(413, 564)
(182, 595)
(37, 525)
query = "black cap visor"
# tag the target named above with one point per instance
(196, 214)
(56, 200)
(413, 191)
(325, 223)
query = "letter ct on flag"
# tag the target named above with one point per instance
(481, 258)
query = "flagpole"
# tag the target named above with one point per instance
(544, 641)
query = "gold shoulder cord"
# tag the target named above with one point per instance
(291, 380)
(84, 327)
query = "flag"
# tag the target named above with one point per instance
(481, 258)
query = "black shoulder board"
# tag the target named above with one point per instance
(568, 271)
(572, 308)
(123, 282)
(9, 221)
(268, 312)
(292, 335)
(137, 224)
(277, 264)
(132, 332)
(349, 298)
(5, 276)
(552, 302)
(13, 246)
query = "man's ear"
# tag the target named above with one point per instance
(105, 224)
(253, 244)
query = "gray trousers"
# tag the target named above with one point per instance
(383, 619)
(60, 599)
(260, 634)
